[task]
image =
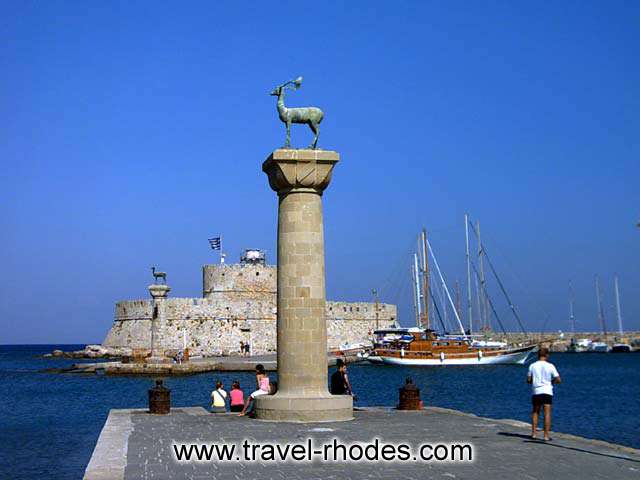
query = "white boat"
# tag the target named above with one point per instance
(579, 346)
(598, 347)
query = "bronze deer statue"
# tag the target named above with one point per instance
(158, 275)
(311, 116)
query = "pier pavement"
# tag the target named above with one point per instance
(137, 445)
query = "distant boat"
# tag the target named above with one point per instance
(575, 346)
(598, 347)
(579, 346)
(619, 347)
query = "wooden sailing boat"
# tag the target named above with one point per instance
(422, 345)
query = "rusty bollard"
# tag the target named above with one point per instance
(409, 396)
(159, 399)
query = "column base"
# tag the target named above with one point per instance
(298, 409)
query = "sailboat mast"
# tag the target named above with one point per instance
(458, 304)
(466, 236)
(416, 275)
(425, 278)
(446, 290)
(572, 318)
(600, 311)
(615, 282)
(484, 310)
(413, 289)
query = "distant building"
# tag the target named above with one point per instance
(238, 304)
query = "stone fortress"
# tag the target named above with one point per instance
(238, 304)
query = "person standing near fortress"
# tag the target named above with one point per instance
(542, 375)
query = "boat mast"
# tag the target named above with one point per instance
(484, 311)
(600, 311)
(615, 282)
(413, 289)
(425, 278)
(466, 236)
(458, 304)
(572, 319)
(416, 276)
(444, 286)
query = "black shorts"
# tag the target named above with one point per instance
(541, 399)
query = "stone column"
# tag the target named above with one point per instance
(300, 177)
(158, 319)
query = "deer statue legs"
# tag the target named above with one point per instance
(287, 142)
(315, 128)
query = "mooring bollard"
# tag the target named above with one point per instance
(159, 399)
(409, 396)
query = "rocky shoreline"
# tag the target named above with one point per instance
(92, 352)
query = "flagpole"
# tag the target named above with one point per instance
(221, 252)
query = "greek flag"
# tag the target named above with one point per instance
(215, 243)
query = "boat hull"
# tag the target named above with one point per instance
(515, 357)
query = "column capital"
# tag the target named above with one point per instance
(300, 170)
(159, 291)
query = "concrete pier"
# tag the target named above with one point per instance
(135, 445)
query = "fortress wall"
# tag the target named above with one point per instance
(239, 304)
(217, 328)
(353, 322)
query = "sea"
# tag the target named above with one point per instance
(50, 422)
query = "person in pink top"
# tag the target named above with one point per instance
(262, 380)
(237, 397)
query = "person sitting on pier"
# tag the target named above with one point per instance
(219, 399)
(339, 380)
(262, 380)
(237, 397)
(542, 375)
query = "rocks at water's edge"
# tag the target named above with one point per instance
(92, 351)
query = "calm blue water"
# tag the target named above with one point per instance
(49, 423)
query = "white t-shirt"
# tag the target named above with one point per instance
(542, 373)
(219, 400)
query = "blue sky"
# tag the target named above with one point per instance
(133, 131)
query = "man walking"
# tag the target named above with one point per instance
(542, 376)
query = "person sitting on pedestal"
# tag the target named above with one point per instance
(262, 380)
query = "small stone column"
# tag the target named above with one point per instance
(158, 319)
(299, 177)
